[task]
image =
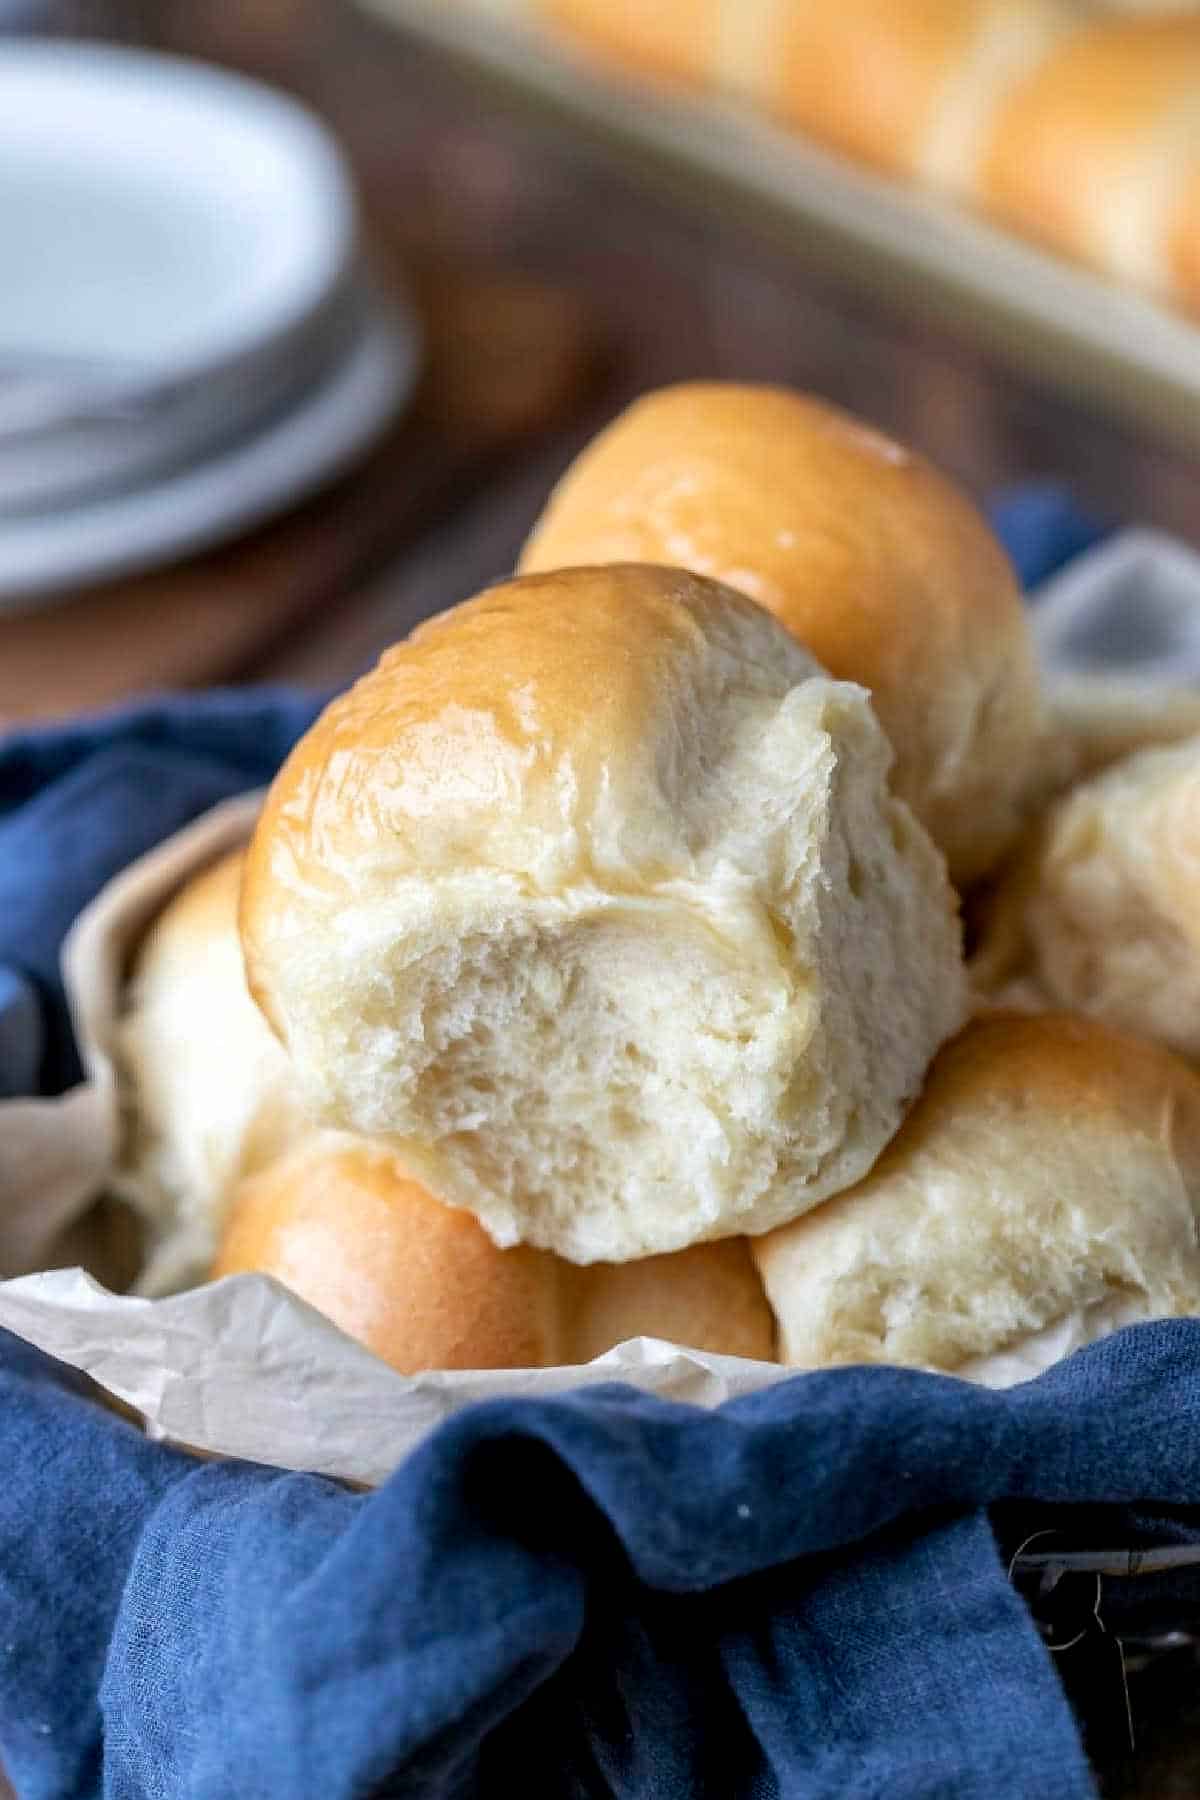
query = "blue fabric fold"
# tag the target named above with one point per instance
(799, 1594)
(804, 1594)
(1043, 529)
(79, 802)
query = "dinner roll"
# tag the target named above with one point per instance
(910, 85)
(1042, 1192)
(1090, 723)
(1098, 153)
(673, 40)
(1102, 910)
(709, 1297)
(861, 549)
(206, 1091)
(340, 1222)
(593, 902)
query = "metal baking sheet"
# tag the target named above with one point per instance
(1058, 324)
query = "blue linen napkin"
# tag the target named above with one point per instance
(1042, 528)
(805, 1593)
(79, 802)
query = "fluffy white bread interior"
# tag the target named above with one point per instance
(873, 561)
(1043, 1190)
(1101, 912)
(206, 1091)
(592, 901)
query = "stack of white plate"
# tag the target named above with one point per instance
(188, 342)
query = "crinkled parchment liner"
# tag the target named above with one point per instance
(238, 1367)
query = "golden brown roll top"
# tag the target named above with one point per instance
(907, 85)
(871, 560)
(1042, 1192)
(419, 1283)
(1098, 154)
(593, 902)
(423, 1286)
(677, 41)
(911, 86)
(709, 1297)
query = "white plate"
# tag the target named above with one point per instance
(157, 208)
(48, 557)
(173, 240)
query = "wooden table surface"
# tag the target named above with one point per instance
(670, 293)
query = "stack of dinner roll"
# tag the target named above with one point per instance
(1061, 119)
(595, 969)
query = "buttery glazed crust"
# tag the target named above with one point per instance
(1184, 244)
(709, 1297)
(871, 76)
(675, 40)
(1098, 152)
(423, 1286)
(419, 1283)
(869, 557)
(904, 84)
(537, 731)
